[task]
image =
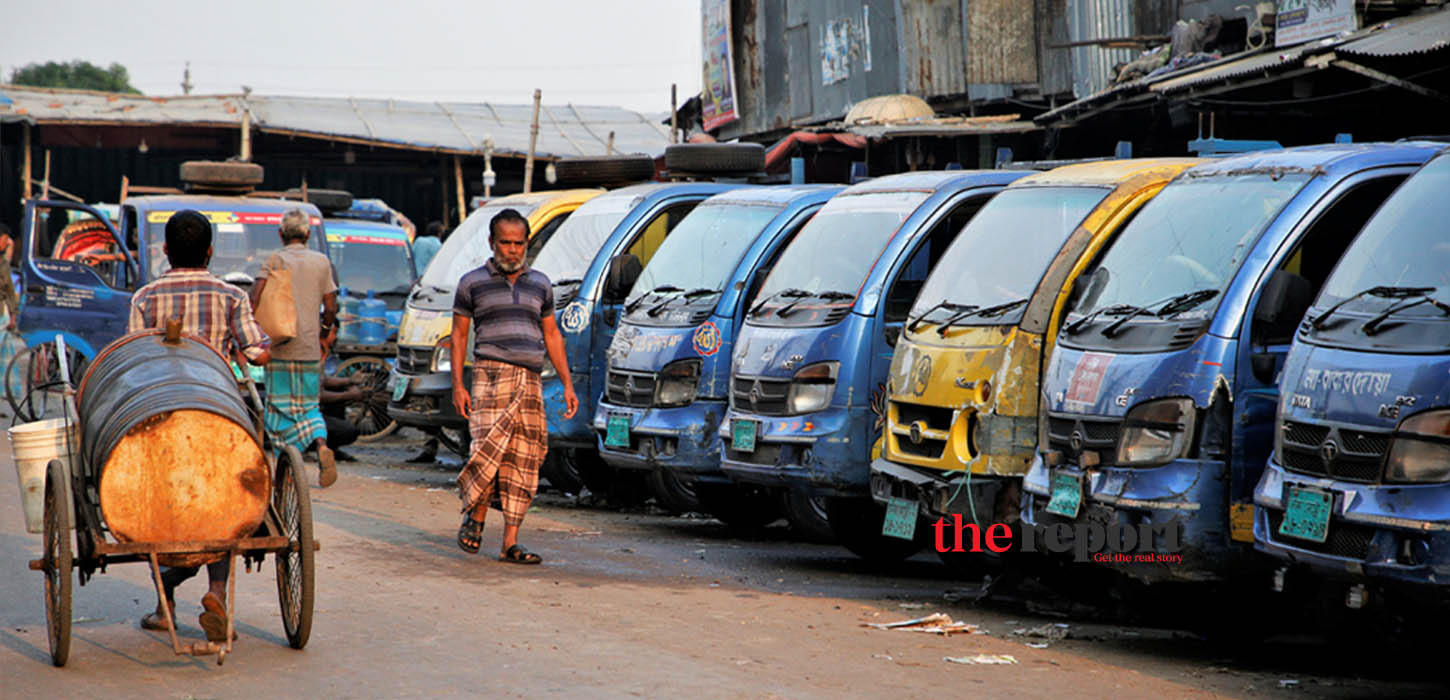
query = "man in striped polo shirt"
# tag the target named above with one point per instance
(512, 309)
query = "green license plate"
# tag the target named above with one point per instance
(617, 434)
(742, 435)
(1066, 495)
(1306, 514)
(900, 519)
(400, 388)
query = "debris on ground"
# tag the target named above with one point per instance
(935, 623)
(1037, 645)
(911, 606)
(1051, 630)
(982, 659)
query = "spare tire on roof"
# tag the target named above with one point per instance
(224, 173)
(603, 170)
(715, 158)
(328, 201)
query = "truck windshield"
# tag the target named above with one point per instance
(1002, 253)
(369, 258)
(236, 247)
(702, 251)
(1186, 243)
(832, 254)
(467, 247)
(567, 255)
(1403, 246)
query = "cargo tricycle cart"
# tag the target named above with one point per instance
(171, 466)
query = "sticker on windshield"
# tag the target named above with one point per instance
(1087, 379)
(707, 339)
(574, 317)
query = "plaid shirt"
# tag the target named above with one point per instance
(208, 307)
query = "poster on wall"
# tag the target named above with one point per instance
(1298, 21)
(718, 96)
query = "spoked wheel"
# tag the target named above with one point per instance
(32, 381)
(57, 561)
(295, 576)
(369, 416)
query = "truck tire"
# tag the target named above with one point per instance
(715, 157)
(856, 523)
(671, 492)
(328, 201)
(742, 508)
(227, 173)
(807, 516)
(603, 170)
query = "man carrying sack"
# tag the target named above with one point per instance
(294, 416)
(512, 309)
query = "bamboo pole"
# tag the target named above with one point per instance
(45, 186)
(125, 188)
(533, 142)
(25, 167)
(674, 135)
(458, 179)
(246, 154)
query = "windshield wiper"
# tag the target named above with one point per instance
(1385, 292)
(828, 294)
(1116, 309)
(702, 291)
(630, 307)
(1371, 326)
(943, 304)
(1173, 304)
(567, 280)
(782, 293)
(996, 310)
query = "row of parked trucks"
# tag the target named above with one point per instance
(1097, 344)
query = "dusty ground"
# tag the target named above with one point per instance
(626, 604)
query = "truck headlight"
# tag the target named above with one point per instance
(812, 387)
(1156, 432)
(1420, 450)
(443, 356)
(678, 382)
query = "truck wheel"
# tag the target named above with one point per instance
(807, 516)
(603, 170)
(560, 474)
(671, 492)
(229, 173)
(856, 523)
(715, 157)
(743, 508)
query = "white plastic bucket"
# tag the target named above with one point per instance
(34, 445)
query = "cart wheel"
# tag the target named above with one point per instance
(370, 417)
(295, 576)
(57, 562)
(33, 383)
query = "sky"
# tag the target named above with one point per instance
(622, 53)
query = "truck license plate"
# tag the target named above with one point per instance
(617, 434)
(742, 435)
(1066, 495)
(1306, 514)
(900, 518)
(400, 388)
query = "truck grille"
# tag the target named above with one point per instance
(1097, 433)
(933, 417)
(625, 388)
(765, 396)
(1340, 453)
(1348, 540)
(413, 360)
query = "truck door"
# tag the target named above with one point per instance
(1278, 305)
(77, 276)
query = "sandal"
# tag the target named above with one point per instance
(213, 620)
(154, 622)
(470, 534)
(518, 555)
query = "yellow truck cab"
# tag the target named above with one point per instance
(962, 395)
(422, 360)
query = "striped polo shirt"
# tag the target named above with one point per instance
(506, 316)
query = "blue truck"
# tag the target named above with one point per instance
(593, 260)
(808, 376)
(668, 366)
(1158, 403)
(1358, 488)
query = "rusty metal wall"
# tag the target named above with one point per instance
(933, 47)
(1054, 66)
(1092, 66)
(1001, 42)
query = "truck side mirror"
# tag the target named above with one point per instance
(1285, 298)
(623, 270)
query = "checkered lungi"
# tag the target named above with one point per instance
(294, 416)
(510, 439)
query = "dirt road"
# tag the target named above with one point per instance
(626, 604)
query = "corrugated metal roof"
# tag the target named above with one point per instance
(564, 130)
(1408, 35)
(1225, 69)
